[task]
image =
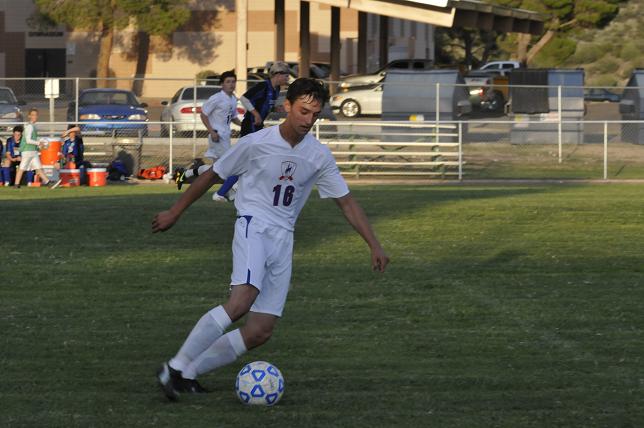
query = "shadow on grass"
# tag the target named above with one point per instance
(122, 222)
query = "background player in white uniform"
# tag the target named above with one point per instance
(278, 168)
(216, 114)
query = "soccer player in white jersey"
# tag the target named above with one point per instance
(278, 167)
(216, 114)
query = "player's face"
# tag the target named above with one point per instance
(282, 79)
(228, 85)
(303, 113)
(33, 116)
(72, 135)
(17, 135)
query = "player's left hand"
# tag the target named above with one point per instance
(163, 221)
(379, 259)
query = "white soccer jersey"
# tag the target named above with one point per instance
(221, 109)
(275, 179)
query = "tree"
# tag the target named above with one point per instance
(470, 47)
(153, 17)
(157, 19)
(102, 16)
(566, 17)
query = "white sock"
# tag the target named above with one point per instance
(224, 351)
(191, 172)
(207, 330)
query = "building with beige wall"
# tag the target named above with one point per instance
(206, 42)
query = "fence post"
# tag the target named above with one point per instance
(460, 151)
(438, 112)
(317, 130)
(77, 91)
(559, 125)
(170, 154)
(605, 150)
(194, 118)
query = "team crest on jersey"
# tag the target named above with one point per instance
(288, 169)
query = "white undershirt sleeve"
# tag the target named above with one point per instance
(246, 103)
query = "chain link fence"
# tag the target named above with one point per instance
(488, 142)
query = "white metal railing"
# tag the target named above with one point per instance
(376, 153)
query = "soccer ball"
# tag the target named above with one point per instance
(259, 383)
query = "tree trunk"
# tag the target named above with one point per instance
(104, 53)
(468, 45)
(489, 43)
(143, 53)
(543, 41)
(523, 40)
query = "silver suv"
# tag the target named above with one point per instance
(399, 64)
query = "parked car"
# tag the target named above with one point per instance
(180, 110)
(362, 100)
(488, 91)
(399, 64)
(500, 67)
(9, 107)
(602, 95)
(97, 107)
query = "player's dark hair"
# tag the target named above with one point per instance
(307, 87)
(18, 128)
(225, 75)
(33, 109)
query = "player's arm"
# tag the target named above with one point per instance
(356, 217)
(166, 219)
(252, 94)
(213, 132)
(75, 129)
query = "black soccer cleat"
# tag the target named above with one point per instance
(170, 381)
(191, 386)
(179, 177)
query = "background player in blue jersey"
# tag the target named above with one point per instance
(278, 167)
(11, 157)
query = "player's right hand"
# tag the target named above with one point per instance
(163, 221)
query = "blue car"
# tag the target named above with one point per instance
(108, 111)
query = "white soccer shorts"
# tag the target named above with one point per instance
(217, 149)
(263, 258)
(30, 160)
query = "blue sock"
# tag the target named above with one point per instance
(30, 176)
(6, 174)
(228, 184)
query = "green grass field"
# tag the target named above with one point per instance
(509, 306)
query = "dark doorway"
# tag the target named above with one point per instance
(44, 63)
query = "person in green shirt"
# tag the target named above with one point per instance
(29, 149)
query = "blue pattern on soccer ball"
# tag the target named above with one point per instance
(259, 383)
(258, 375)
(257, 391)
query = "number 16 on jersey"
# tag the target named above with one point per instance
(287, 199)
